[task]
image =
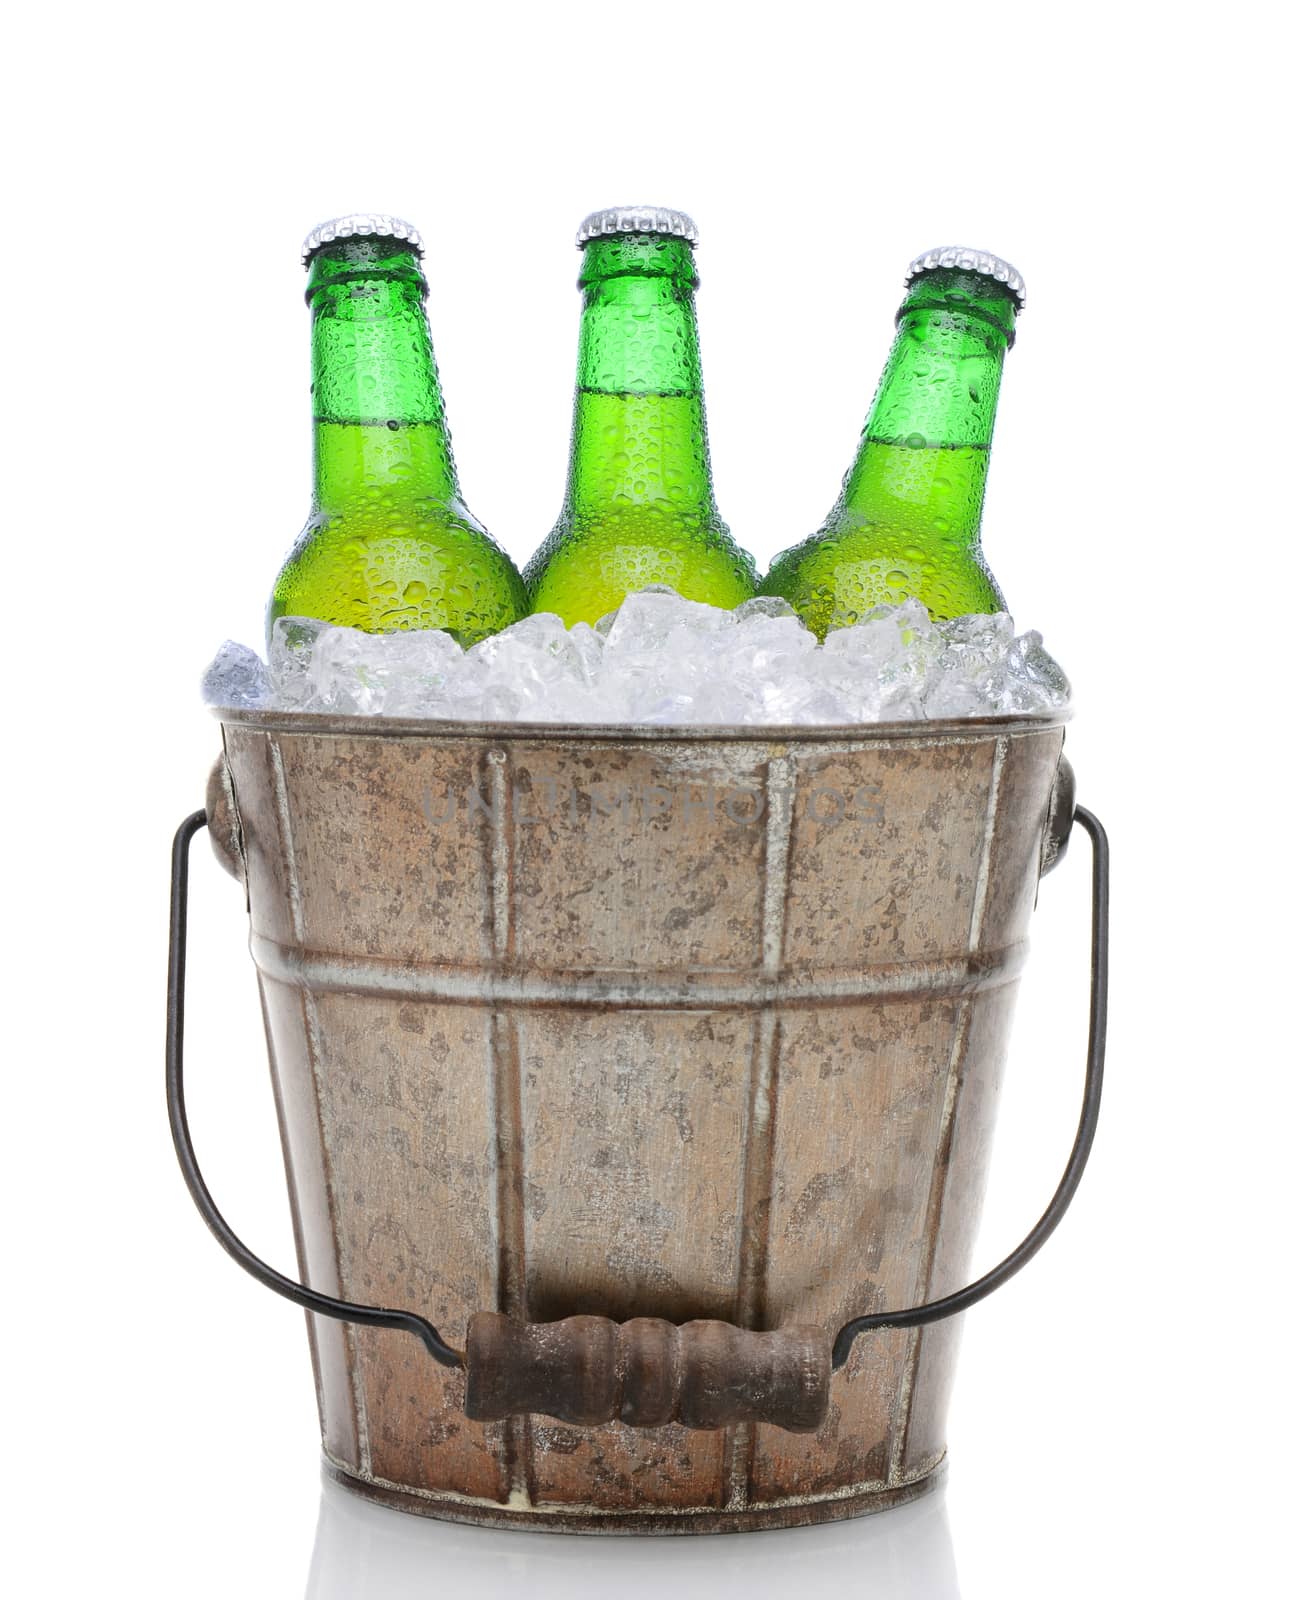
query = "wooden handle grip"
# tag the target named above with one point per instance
(646, 1372)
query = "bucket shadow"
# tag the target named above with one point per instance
(369, 1552)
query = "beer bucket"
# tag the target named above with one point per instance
(636, 1089)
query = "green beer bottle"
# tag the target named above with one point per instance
(389, 543)
(907, 523)
(639, 505)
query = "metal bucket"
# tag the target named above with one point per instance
(691, 1037)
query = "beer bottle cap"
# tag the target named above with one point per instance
(360, 225)
(637, 219)
(980, 261)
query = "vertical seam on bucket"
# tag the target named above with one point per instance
(281, 788)
(509, 1264)
(500, 856)
(980, 901)
(508, 1227)
(943, 1148)
(757, 1149)
(311, 1032)
(780, 781)
(351, 1335)
(299, 1240)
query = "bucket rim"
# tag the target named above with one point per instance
(313, 723)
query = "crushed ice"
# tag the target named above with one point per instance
(659, 659)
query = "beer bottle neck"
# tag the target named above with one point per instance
(930, 427)
(377, 409)
(639, 436)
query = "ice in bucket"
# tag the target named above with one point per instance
(657, 660)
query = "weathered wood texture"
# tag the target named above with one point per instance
(578, 1025)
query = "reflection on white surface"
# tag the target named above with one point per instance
(368, 1552)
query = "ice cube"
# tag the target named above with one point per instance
(764, 605)
(394, 674)
(1034, 681)
(761, 637)
(546, 667)
(293, 641)
(651, 617)
(236, 679)
(589, 648)
(539, 650)
(957, 697)
(500, 703)
(880, 665)
(969, 671)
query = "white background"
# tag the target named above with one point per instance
(1124, 1414)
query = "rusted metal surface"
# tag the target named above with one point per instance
(551, 1052)
(646, 1372)
(553, 1518)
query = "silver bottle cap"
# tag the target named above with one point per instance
(637, 219)
(988, 266)
(360, 225)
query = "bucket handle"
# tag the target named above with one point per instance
(646, 1371)
(950, 1305)
(310, 1299)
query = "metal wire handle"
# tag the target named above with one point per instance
(310, 1299)
(376, 1316)
(951, 1304)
